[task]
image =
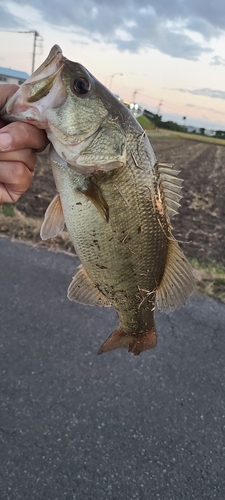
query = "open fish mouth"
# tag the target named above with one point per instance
(41, 90)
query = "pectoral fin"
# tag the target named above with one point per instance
(82, 289)
(94, 194)
(53, 222)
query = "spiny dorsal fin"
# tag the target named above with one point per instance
(171, 186)
(53, 222)
(82, 289)
(177, 282)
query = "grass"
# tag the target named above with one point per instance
(210, 279)
(25, 228)
(7, 210)
(184, 135)
(146, 123)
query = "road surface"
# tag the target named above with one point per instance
(77, 426)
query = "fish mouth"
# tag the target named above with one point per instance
(29, 103)
(49, 66)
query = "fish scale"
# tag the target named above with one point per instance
(118, 266)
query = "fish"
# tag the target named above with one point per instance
(115, 198)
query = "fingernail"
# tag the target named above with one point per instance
(5, 141)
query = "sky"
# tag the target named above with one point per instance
(167, 54)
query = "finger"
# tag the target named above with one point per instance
(2, 123)
(15, 180)
(19, 135)
(26, 156)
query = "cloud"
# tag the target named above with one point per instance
(136, 25)
(8, 20)
(189, 105)
(217, 61)
(214, 93)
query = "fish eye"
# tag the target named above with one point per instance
(81, 86)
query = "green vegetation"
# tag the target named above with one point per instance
(7, 210)
(210, 279)
(16, 225)
(169, 125)
(185, 135)
(146, 123)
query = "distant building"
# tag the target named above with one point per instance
(8, 75)
(135, 109)
(210, 133)
(199, 130)
(193, 130)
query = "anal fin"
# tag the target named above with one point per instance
(177, 282)
(135, 343)
(82, 289)
(53, 222)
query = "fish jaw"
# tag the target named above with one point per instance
(42, 90)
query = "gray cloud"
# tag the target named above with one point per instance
(217, 61)
(8, 20)
(139, 24)
(214, 93)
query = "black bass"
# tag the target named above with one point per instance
(114, 197)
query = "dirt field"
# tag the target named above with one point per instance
(200, 225)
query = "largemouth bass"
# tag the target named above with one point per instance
(114, 197)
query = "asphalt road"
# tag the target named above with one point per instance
(77, 426)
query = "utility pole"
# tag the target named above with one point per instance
(159, 107)
(111, 79)
(36, 35)
(137, 91)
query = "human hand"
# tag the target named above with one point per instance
(19, 144)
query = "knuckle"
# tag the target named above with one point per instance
(23, 176)
(20, 170)
(25, 132)
(31, 158)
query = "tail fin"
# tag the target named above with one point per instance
(135, 343)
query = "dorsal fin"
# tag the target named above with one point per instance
(171, 186)
(53, 222)
(82, 289)
(177, 282)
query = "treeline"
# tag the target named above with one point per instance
(157, 120)
(170, 125)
